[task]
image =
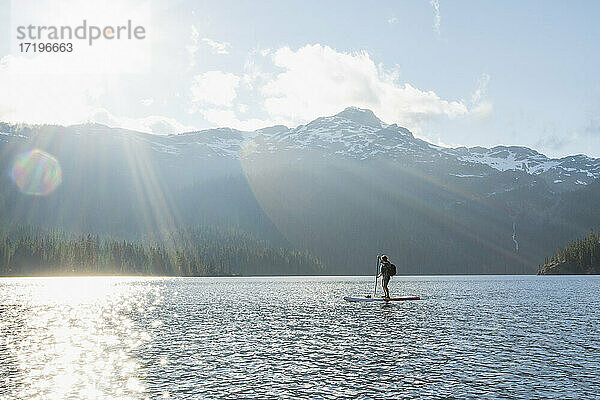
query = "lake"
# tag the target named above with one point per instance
(478, 337)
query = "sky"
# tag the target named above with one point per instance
(456, 73)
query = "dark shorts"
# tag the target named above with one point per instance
(386, 278)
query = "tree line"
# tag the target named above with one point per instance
(582, 254)
(194, 252)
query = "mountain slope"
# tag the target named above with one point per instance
(345, 187)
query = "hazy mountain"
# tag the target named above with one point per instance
(344, 187)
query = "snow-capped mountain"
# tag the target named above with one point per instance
(356, 134)
(353, 133)
(359, 134)
(344, 187)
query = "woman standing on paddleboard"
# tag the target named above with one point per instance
(386, 273)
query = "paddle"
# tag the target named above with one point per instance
(376, 273)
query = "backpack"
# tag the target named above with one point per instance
(392, 269)
(389, 268)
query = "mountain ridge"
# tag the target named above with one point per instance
(343, 187)
(359, 134)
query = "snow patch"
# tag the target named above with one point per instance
(468, 176)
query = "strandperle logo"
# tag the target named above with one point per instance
(90, 33)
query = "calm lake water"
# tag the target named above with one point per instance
(134, 338)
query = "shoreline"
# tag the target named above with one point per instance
(282, 276)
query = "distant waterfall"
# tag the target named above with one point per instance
(514, 236)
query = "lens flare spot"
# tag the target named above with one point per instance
(36, 172)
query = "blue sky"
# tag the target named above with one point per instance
(462, 73)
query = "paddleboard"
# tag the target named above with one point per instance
(371, 299)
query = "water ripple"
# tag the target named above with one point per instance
(284, 338)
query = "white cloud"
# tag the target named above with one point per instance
(217, 47)
(318, 80)
(229, 118)
(76, 87)
(155, 124)
(148, 102)
(437, 17)
(104, 56)
(392, 20)
(481, 106)
(215, 88)
(481, 90)
(193, 47)
(255, 68)
(32, 95)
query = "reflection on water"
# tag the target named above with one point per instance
(136, 338)
(74, 337)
